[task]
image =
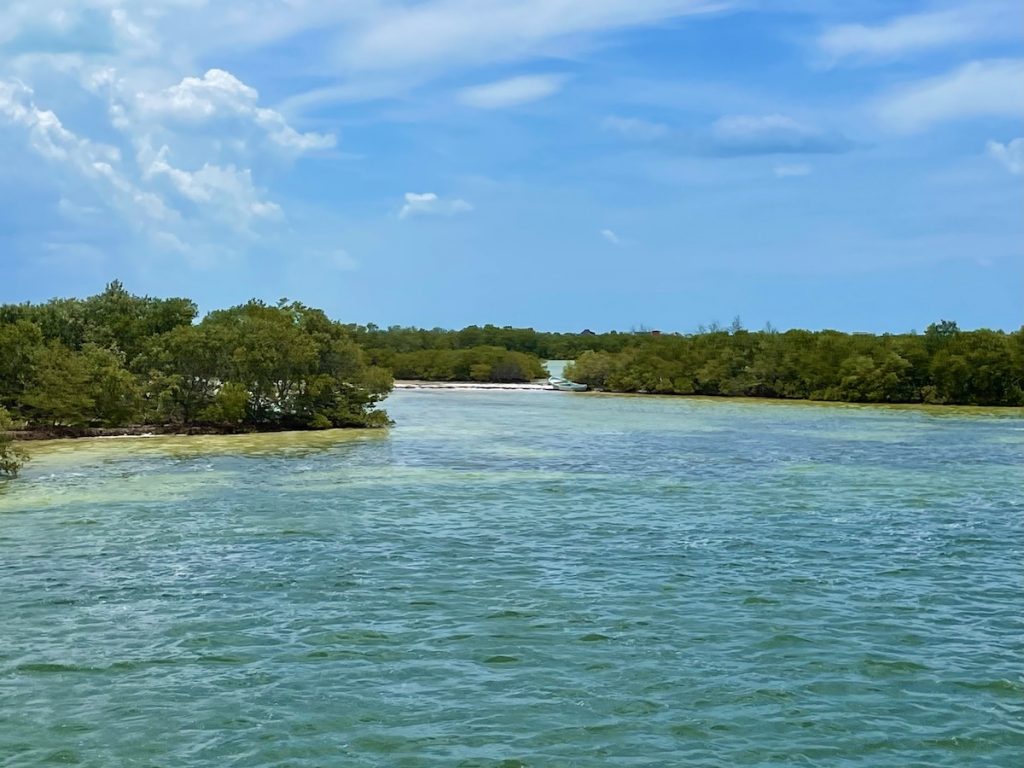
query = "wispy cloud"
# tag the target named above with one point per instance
(790, 171)
(634, 129)
(1010, 154)
(772, 134)
(174, 164)
(511, 92)
(610, 236)
(916, 33)
(428, 203)
(96, 164)
(990, 88)
(443, 33)
(341, 260)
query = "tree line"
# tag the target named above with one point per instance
(383, 343)
(116, 359)
(944, 365)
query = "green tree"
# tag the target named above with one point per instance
(58, 394)
(77, 389)
(11, 459)
(591, 368)
(118, 320)
(228, 407)
(19, 346)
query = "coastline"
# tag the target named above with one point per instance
(155, 430)
(167, 430)
(531, 386)
(542, 386)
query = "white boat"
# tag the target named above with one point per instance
(564, 385)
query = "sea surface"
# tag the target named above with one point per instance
(524, 579)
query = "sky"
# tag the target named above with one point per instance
(560, 164)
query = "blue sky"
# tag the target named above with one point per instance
(554, 163)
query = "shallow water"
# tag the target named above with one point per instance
(524, 578)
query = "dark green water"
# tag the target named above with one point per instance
(524, 578)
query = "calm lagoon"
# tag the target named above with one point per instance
(524, 578)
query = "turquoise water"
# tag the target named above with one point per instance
(524, 578)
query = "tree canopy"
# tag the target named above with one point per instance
(11, 460)
(944, 366)
(116, 359)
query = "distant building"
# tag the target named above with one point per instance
(655, 333)
(587, 332)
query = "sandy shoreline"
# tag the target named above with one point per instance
(167, 430)
(535, 386)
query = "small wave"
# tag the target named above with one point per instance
(501, 659)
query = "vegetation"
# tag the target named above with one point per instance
(485, 364)
(382, 344)
(11, 459)
(116, 359)
(944, 365)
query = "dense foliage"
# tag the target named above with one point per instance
(943, 365)
(484, 364)
(381, 344)
(116, 359)
(11, 460)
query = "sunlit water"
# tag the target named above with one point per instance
(524, 578)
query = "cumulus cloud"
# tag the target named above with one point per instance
(219, 95)
(227, 191)
(989, 88)
(610, 236)
(1010, 154)
(197, 189)
(789, 171)
(428, 203)
(914, 33)
(511, 92)
(98, 164)
(634, 129)
(772, 134)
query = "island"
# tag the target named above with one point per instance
(117, 363)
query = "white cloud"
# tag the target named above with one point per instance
(226, 191)
(1010, 154)
(442, 33)
(772, 134)
(428, 203)
(634, 128)
(789, 171)
(200, 98)
(415, 40)
(219, 95)
(99, 165)
(745, 126)
(512, 92)
(610, 236)
(208, 196)
(904, 35)
(990, 88)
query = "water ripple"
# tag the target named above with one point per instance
(507, 579)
